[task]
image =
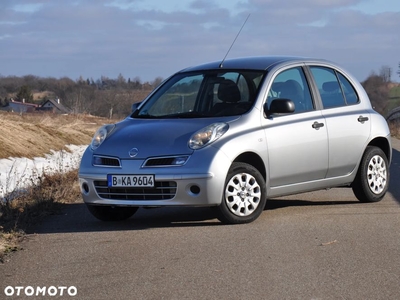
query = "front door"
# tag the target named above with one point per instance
(297, 142)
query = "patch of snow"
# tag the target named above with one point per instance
(19, 173)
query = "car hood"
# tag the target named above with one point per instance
(151, 137)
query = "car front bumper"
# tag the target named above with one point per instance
(197, 183)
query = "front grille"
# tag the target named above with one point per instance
(106, 161)
(168, 161)
(163, 190)
(159, 162)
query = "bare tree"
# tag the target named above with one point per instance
(378, 92)
(105, 103)
(80, 98)
(385, 73)
(157, 82)
(121, 82)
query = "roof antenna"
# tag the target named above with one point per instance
(222, 62)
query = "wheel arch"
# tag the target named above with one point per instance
(384, 145)
(255, 160)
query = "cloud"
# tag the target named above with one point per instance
(138, 38)
(28, 8)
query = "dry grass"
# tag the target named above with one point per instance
(42, 199)
(34, 135)
(395, 128)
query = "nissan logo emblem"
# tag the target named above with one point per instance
(133, 152)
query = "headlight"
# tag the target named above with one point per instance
(100, 135)
(207, 135)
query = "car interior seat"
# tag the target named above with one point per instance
(229, 94)
(332, 94)
(292, 90)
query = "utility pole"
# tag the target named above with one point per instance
(398, 71)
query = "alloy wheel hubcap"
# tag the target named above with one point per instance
(242, 194)
(376, 174)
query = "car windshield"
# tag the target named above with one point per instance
(203, 94)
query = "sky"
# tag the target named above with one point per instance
(147, 39)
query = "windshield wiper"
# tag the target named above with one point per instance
(186, 115)
(147, 116)
(183, 115)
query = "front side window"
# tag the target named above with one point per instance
(203, 94)
(335, 90)
(291, 84)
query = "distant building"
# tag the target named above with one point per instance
(54, 106)
(21, 107)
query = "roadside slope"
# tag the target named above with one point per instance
(34, 135)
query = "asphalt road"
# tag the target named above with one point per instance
(320, 245)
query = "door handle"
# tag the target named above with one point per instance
(317, 125)
(362, 119)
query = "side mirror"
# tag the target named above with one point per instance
(279, 106)
(135, 106)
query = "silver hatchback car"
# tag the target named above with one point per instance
(235, 133)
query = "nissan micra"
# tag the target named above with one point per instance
(232, 134)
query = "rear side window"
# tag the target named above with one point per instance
(348, 90)
(335, 90)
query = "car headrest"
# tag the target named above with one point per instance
(228, 91)
(330, 86)
(292, 90)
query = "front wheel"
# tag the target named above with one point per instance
(372, 179)
(111, 213)
(244, 195)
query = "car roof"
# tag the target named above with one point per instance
(251, 63)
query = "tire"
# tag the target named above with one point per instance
(244, 195)
(372, 179)
(111, 213)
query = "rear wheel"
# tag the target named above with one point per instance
(111, 213)
(372, 179)
(244, 195)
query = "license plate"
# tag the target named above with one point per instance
(130, 180)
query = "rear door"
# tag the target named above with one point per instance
(347, 123)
